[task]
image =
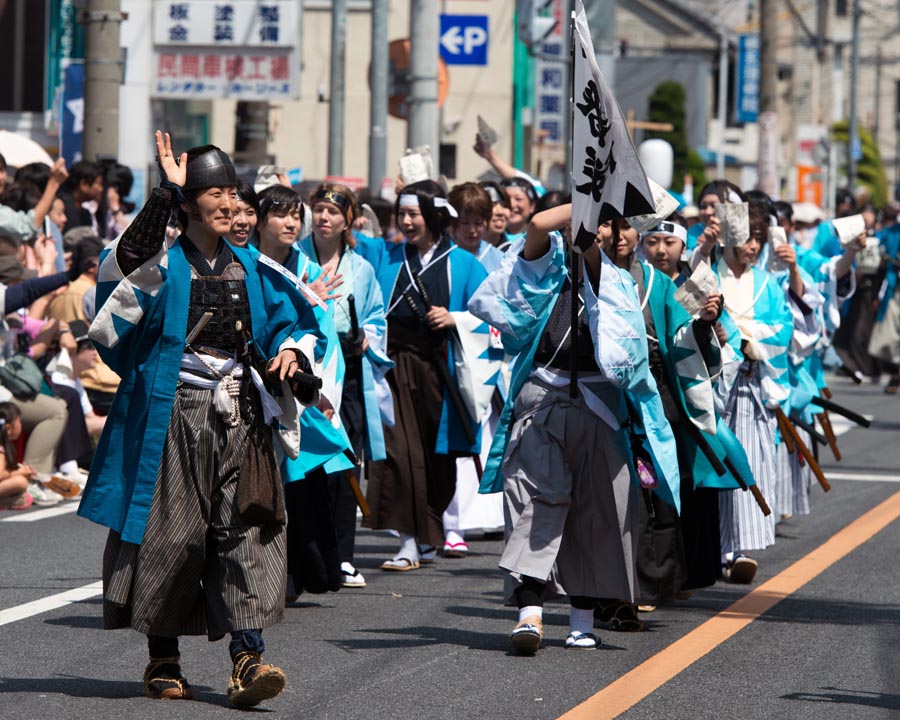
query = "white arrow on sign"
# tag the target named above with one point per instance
(466, 39)
(452, 40)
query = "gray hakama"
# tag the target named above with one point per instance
(569, 498)
(201, 568)
(742, 526)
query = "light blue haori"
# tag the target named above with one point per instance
(359, 280)
(691, 375)
(325, 442)
(518, 298)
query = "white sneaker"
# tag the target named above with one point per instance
(353, 578)
(43, 496)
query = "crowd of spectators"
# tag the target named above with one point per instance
(55, 391)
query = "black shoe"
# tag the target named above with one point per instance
(252, 682)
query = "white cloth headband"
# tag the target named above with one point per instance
(668, 228)
(734, 198)
(443, 202)
(412, 200)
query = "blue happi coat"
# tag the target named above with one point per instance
(769, 323)
(518, 299)
(464, 275)
(325, 441)
(359, 280)
(140, 331)
(691, 376)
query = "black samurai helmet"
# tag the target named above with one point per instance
(207, 167)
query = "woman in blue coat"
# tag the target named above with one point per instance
(360, 324)
(409, 490)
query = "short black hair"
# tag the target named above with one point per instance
(761, 200)
(247, 194)
(278, 200)
(551, 199)
(784, 211)
(83, 170)
(721, 188)
(21, 196)
(36, 173)
(121, 178)
(437, 220)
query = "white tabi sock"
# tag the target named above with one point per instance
(581, 621)
(452, 537)
(530, 610)
(409, 548)
(69, 467)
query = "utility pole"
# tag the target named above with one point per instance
(767, 166)
(422, 128)
(336, 91)
(723, 101)
(102, 78)
(379, 94)
(853, 144)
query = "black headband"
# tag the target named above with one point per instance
(333, 196)
(522, 183)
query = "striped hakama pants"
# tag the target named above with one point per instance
(200, 569)
(742, 526)
(792, 487)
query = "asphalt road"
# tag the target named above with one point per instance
(434, 643)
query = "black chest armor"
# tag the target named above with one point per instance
(228, 302)
(221, 291)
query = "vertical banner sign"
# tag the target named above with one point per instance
(748, 78)
(608, 180)
(65, 43)
(72, 113)
(550, 95)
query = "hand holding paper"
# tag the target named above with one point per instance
(697, 289)
(849, 228)
(777, 238)
(664, 203)
(487, 136)
(734, 219)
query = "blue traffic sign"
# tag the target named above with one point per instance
(464, 39)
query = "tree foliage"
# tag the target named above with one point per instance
(667, 105)
(869, 169)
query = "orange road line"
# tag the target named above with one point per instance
(634, 686)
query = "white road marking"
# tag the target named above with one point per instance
(49, 512)
(36, 607)
(862, 477)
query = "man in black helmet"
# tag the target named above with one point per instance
(185, 475)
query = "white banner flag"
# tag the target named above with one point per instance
(608, 180)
